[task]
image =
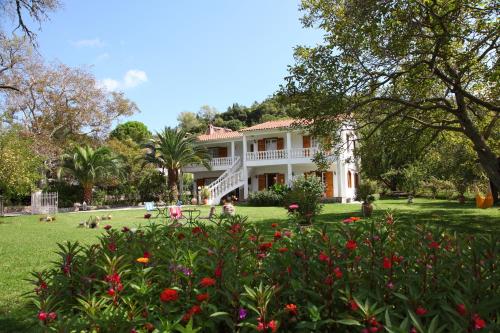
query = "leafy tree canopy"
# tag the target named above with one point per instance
(133, 130)
(428, 64)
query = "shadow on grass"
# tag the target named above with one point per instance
(18, 320)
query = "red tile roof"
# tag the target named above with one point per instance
(270, 125)
(219, 136)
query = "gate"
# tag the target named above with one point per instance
(44, 203)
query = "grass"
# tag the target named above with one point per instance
(28, 245)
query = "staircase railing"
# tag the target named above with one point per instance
(228, 181)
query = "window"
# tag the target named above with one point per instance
(349, 179)
(213, 151)
(271, 144)
(314, 142)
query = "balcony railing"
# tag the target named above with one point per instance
(281, 154)
(215, 162)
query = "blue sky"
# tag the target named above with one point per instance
(174, 56)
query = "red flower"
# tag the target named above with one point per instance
(434, 245)
(195, 309)
(196, 230)
(125, 229)
(180, 236)
(168, 295)
(323, 257)
(113, 278)
(387, 263)
(111, 292)
(42, 316)
(149, 327)
(274, 225)
(146, 254)
(202, 297)
(277, 235)
(354, 218)
(348, 220)
(328, 280)
(112, 247)
(52, 316)
(218, 271)
(479, 323)
(338, 272)
(273, 325)
(265, 246)
(421, 311)
(207, 282)
(353, 305)
(461, 309)
(351, 245)
(261, 326)
(107, 227)
(292, 309)
(252, 238)
(283, 249)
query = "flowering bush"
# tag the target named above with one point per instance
(231, 276)
(306, 194)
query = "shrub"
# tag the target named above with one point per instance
(365, 190)
(307, 194)
(229, 276)
(265, 198)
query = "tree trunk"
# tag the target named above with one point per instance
(173, 176)
(87, 193)
(487, 158)
(495, 189)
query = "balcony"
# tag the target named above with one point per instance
(300, 155)
(217, 163)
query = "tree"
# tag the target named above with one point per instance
(429, 64)
(189, 122)
(135, 130)
(173, 149)
(60, 105)
(20, 167)
(89, 167)
(207, 114)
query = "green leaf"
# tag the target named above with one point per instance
(350, 322)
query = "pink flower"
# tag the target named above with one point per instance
(421, 311)
(42, 316)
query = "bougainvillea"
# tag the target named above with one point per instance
(232, 276)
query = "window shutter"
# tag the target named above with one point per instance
(262, 182)
(261, 145)
(306, 141)
(222, 151)
(280, 144)
(349, 179)
(281, 178)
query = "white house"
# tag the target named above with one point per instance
(257, 157)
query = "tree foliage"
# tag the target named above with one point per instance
(173, 149)
(20, 167)
(428, 64)
(134, 130)
(89, 166)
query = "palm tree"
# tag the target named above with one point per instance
(89, 167)
(172, 149)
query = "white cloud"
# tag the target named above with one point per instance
(95, 42)
(110, 84)
(131, 79)
(134, 77)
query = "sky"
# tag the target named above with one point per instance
(175, 56)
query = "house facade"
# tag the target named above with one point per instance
(255, 158)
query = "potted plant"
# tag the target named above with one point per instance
(205, 194)
(365, 192)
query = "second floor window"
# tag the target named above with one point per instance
(271, 144)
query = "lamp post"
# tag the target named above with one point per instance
(199, 197)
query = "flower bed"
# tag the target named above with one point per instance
(357, 276)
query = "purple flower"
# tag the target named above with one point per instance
(242, 313)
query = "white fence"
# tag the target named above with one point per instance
(44, 203)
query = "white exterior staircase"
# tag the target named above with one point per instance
(230, 180)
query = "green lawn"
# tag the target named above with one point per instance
(27, 244)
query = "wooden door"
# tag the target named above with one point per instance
(262, 182)
(329, 184)
(200, 182)
(222, 152)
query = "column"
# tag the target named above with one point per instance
(244, 166)
(288, 144)
(289, 174)
(232, 152)
(340, 172)
(181, 184)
